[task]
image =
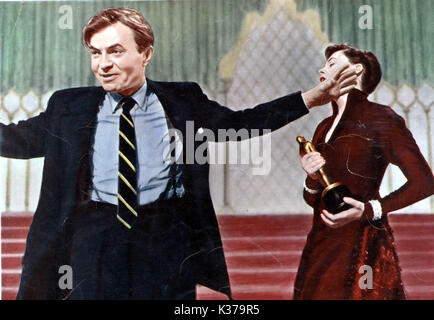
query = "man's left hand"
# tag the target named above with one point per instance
(341, 81)
(342, 218)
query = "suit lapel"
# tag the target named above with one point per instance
(85, 131)
(177, 112)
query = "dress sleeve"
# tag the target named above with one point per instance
(312, 198)
(399, 148)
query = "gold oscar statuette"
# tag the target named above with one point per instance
(333, 192)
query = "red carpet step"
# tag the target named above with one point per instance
(262, 253)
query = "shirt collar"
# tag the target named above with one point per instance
(139, 96)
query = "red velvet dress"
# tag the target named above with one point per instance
(366, 140)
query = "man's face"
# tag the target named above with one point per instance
(115, 61)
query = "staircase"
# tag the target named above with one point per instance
(262, 253)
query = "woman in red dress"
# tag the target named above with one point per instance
(355, 145)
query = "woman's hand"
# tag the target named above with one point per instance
(342, 218)
(311, 163)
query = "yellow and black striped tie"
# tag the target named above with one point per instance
(127, 175)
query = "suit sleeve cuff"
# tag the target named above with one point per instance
(304, 101)
(293, 106)
(301, 102)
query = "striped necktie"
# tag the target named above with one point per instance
(127, 175)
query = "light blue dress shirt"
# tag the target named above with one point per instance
(152, 141)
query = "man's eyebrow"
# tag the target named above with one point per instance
(108, 48)
(93, 48)
(114, 46)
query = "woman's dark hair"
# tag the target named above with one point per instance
(371, 75)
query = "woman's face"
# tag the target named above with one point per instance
(336, 60)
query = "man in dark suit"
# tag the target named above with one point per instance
(130, 224)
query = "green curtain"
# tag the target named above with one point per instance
(193, 35)
(402, 36)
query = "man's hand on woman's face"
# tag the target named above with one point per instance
(340, 82)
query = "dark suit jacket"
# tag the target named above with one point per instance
(63, 136)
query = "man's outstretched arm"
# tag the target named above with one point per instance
(274, 114)
(23, 140)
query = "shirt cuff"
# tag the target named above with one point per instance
(311, 191)
(312, 186)
(304, 101)
(373, 210)
(376, 209)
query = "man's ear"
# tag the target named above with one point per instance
(359, 69)
(147, 55)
